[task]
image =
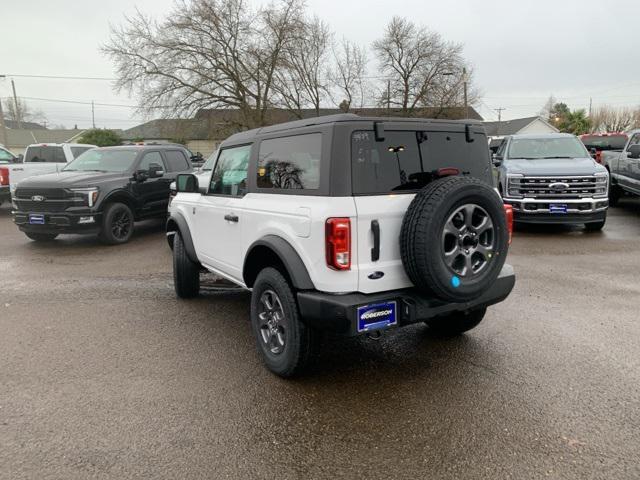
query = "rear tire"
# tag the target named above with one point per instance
(117, 224)
(456, 323)
(283, 340)
(186, 273)
(41, 237)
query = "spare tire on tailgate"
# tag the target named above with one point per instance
(454, 238)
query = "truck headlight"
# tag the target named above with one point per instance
(602, 184)
(89, 195)
(513, 185)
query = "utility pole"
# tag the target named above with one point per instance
(499, 110)
(464, 84)
(93, 115)
(590, 105)
(15, 103)
(388, 97)
(3, 130)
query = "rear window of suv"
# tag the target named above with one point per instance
(404, 160)
(48, 154)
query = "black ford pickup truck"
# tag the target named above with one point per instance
(103, 191)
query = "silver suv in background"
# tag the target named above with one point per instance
(551, 178)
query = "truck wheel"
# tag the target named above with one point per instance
(454, 238)
(117, 224)
(186, 273)
(41, 237)
(284, 342)
(456, 323)
(595, 226)
(614, 195)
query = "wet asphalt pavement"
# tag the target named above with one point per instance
(105, 374)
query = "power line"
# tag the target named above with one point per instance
(61, 77)
(77, 102)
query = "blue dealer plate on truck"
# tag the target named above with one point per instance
(35, 219)
(376, 316)
(557, 208)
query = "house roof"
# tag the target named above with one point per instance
(511, 127)
(24, 137)
(25, 125)
(220, 123)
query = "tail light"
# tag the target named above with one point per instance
(508, 212)
(338, 243)
(4, 176)
(599, 156)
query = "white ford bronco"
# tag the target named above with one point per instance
(348, 224)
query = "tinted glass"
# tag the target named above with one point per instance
(451, 150)
(103, 161)
(208, 165)
(77, 151)
(290, 162)
(554, 147)
(230, 174)
(177, 161)
(148, 159)
(45, 154)
(5, 155)
(601, 142)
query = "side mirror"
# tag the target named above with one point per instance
(187, 183)
(634, 151)
(155, 170)
(497, 160)
(19, 158)
(593, 152)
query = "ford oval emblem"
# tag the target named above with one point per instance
(376, 275)
(559, 186)
(37, 198)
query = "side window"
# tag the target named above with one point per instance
(176, 160)
(290, 162)
(502, 148)
(76, 151)
(45, 154)
(230, 173)
(635, 140)
(149, 158)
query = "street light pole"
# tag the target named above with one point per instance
(15, 103)
(3, 129)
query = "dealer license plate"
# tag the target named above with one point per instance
(557, 208)
(376, 316)
(35, 219)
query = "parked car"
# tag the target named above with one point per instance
(6, 158)
(348, 224)
(624, 167)
(597, 143)
(103, 191)
(40, 159)
(550, 178)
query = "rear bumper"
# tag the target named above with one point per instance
(60, 222)
(338, 313)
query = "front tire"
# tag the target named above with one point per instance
(186, 273)
(284, 342)
(456, 323)
(615, 192)
(41, 237)
(117, 224)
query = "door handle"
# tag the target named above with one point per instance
(375, 251)
(231, 218)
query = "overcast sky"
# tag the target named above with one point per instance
(522, 51)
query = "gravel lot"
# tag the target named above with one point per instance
(105, 374)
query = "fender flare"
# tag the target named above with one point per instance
(177, 223)
(292, 262)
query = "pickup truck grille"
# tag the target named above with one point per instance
(55, 199)
(558, 187)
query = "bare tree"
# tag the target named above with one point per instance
(547, 108)
(418, 63)
(611, 119)
(205, 54)
(302, 81)
(349, 74)
(24, 113)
